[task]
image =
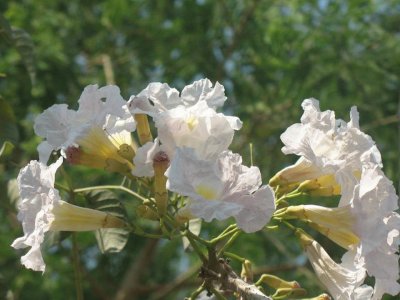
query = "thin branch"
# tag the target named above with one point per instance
(108, 69)
(110, 187)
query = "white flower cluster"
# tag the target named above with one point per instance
(189, 131)
(331, 148)
(196, 139)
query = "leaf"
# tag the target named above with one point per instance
(6, 149)
(110, 239)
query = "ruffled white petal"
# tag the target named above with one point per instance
(198, 127)
(143, 160)
(37, 195)
(221, 188)
(98, 107)
(332, 146)
(202, 90)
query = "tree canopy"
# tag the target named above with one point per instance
(269, 55)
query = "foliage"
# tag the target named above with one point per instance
(269, 55)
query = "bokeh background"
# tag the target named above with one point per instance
(269, 55)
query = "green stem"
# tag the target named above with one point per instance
(228, 228)
(229, 242)
(227, 232)
(77, 271)
(62, 187)
(196, 248)
(217, 294)
(234, 256)
(199, 239)
(251, 153)
(110, 187)
(197, 292)
(291, 195)
(289, 225)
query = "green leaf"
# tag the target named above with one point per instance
(109, 239)
(6, 149)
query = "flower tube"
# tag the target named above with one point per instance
(41, 209)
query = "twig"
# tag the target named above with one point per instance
(108, 69)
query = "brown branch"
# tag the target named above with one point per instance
(131, 281)
(218, 275)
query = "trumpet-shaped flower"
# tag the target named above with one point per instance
(368, 227)
(336, 223)
(101, 108)
(338, 155)
(221, 188)
(343, 281)
(198, 127)
(328, 146)
(373, 204)
(189, 119)
(41, 209)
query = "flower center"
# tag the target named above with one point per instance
(206, 192)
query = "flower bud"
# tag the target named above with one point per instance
(160, 165)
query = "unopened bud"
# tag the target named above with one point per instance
(320, 297)
(325, 185)
(160, 165)
(286, 292)
(247, 272)
(277, 283)
(143, 128)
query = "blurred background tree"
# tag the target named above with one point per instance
(269, 55)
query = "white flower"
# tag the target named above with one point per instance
(368, 227)
(343, 281)
(41, 209)
(188, 119)
(144, 159)
(159, 97)
(331, 146)
(373, 205)
(221, 188)
(198, 127)
(101, 108)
